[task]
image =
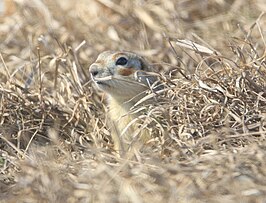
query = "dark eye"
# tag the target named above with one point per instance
(121, 61)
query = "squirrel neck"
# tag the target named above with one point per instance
(119, 108)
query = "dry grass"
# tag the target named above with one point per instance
(208, 126)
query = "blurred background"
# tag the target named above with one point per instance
(141, 26)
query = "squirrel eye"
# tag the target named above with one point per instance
(121, 61)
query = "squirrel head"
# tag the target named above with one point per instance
(123, 75)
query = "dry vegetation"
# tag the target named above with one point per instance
(209, 125)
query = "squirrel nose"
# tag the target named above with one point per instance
(94, 73)
(94, 70)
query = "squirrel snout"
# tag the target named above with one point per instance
(94, 73)
(94, 70)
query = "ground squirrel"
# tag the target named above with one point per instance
(125, 77)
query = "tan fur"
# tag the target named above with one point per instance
(124, 90)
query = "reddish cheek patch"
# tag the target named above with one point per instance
(126, 71)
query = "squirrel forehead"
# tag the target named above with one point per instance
(108, 58)
(114, 55)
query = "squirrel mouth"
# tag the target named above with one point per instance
(101, 83)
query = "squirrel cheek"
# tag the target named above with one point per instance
(126, 71)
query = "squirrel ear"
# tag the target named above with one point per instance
(144, 64)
